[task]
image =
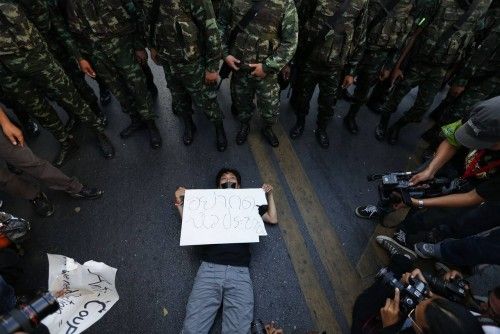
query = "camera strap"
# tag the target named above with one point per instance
(471, 171)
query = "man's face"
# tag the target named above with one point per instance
(228, 180)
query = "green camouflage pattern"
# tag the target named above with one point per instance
(270, 38)
(114, 62)
(244, 87)
(308, 77)
(341, 47)
(16, 32)
(367, 73)
(185, 31)
(446, 14)
(428, 78)
(187, 86)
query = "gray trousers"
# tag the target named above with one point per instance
(24, 159)
(214, 285)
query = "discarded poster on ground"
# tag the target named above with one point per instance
(221, 216)
(86, 292)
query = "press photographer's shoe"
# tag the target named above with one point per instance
(394, 248)
(43, 207)
(369, 212)
(427, 251)
(88, 193)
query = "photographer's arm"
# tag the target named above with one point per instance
(450, 201)
(179, 199)
(271, 216)
(444, 153)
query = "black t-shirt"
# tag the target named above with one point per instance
(489, 189)
(237, 255)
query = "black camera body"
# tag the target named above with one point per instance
(454, 290)
(410, 295)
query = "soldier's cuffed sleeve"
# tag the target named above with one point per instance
(203, 13)
(288, 40)
(224, 25)
(358, 42)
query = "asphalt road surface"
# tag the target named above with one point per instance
(306, 272)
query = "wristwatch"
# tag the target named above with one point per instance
(420, 204)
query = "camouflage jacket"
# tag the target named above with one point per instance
(185, 30)
(97, 20)
(484, 57)
(446, 14)
(17, 33)
(270, 38)
(341, 47)
(48, 19)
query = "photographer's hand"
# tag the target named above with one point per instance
(179, 199)
(390, 312)
(423, 176)
(271, 329)
(415, 273)
(451, 275)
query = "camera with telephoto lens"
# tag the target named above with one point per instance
(454, 290)
(29, 317)
(410, 295)
(257, 327)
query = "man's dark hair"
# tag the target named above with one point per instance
(224, 171)
(445, 316)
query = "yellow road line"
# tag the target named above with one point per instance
(319, 306)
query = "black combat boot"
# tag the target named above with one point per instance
(154, 134)
(67, 150)
(136, 124)
(189, 130)
(381, 129)
(220, 134)
(322, 136)
(107, 149)
(298, 129)
(241, 136)
(350, 119)
(378, 96)
(43, 207)
(393, 132)
(31, 128)
(271, 138)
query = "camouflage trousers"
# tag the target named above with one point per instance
(187, 86)
(30, 77)
(114, 61)
(245, 87)
(367, 74)
(308, 77)
(478, 89)
(428, 78)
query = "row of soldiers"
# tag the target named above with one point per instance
(47, 45)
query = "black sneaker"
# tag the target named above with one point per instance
(369, 212)
(425, 250)
(43, 207)
(394, 248)
(88, 193)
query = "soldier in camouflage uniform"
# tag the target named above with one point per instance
(479, 78)
(430, 62)
(47, 18)
(387, 30)
(110, 35)
(29, 72)
(256, 57)
(325, 61)
(190, 52)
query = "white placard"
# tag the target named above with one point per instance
(222, 216)
(89, 292)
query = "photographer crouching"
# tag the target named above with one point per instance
(455, 207)
(404, 300)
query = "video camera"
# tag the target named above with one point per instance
(412, 294)
(395, 187)
(29, 317)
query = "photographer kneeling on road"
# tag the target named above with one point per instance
(223, 276)
(415, 308)
(479, 183)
